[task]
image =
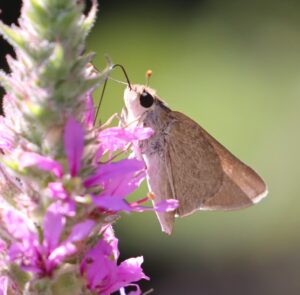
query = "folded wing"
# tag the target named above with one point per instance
(204, 175)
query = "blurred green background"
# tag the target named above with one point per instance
(234, 67)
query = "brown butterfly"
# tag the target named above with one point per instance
(186, 163)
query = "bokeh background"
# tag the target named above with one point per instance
(234, 67)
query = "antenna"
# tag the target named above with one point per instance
(104, 87)
(124, 71)
(100, 101)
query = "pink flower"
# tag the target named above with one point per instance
(117, 180)
(73, 143)
(104, 276)
(42, 257)
(29, 159)
(116, 138)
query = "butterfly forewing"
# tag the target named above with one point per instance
(193, 166)
(241, 187)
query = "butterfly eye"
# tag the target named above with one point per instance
(146, 100)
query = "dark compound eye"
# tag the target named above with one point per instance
(146, 100)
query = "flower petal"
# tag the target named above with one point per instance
(117, 138)
(74, 142)
(124, 187)
(18, 225)
(57, 190)
(163, 206)
(129, 271)
(166, 205)
(109, 236)
(54, 223)
(111, 203)
(24, 238)
(29, 159)
(114, 171)
(59, 254)
(103, 274)
(81, 230)
(99, 267)
(66, 207)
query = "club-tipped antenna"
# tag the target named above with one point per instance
(125, 73)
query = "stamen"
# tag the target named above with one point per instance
(138, 202)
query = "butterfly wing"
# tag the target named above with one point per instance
(160, 185)
(203, 174)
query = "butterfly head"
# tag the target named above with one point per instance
(138, 100)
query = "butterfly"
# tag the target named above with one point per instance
(186, 163)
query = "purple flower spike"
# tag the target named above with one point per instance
(74, 142)
(29, 159)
